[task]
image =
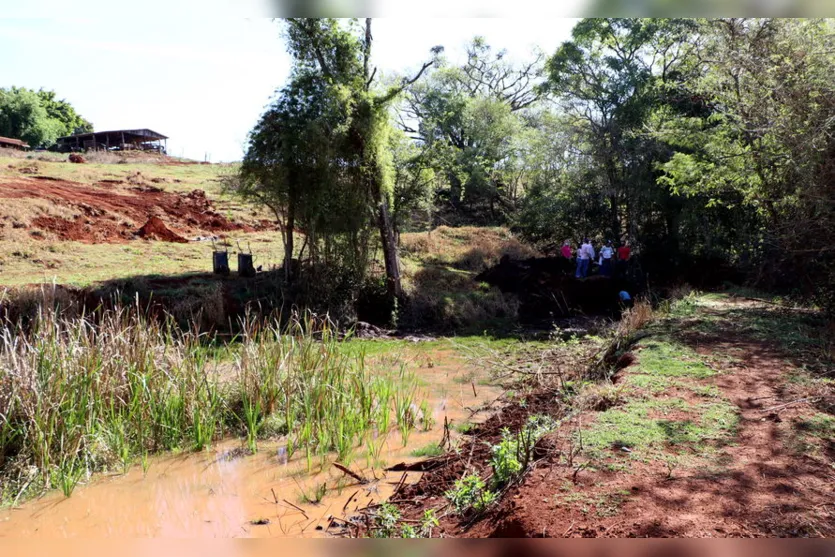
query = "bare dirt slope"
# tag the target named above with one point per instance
(112, 211)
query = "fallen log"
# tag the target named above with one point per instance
(421, 465)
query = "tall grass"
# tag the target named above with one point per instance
(329, 400)
(79, 395)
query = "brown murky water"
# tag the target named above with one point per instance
(219, 493)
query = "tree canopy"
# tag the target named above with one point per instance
(38, 117)
(696, 140)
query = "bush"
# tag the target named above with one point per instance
(470, 493)
(515, 451)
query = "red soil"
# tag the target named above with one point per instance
(112, 215)
(155, 229)
(756, 486)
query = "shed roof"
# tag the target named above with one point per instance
(10, 141)
(143, 133)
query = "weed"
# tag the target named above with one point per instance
(514, 452)
(385, 521)
(463, 428)
(314, 495)
(79, 394)
(470, 493)
(429, 450)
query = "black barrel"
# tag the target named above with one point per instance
(220, 262)
(245, 266)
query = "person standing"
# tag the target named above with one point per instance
(607, 252)
(624, 252)
(582, 260)
(585, 254)
(565, 250)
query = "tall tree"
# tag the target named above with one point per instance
(608, 78)
(64, 112)
(768, 139)
(38, 117)
(468, 119)
(291, 162)
(22, 116)
(338, 56)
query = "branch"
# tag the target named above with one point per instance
(366, 52)
(403, 84)
(370, 79)
(314, 43)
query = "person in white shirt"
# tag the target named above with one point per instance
(584, 256)
(607, 254)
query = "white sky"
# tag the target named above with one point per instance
(204, 82)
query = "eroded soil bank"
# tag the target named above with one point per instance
(114, 211)
(720, 426)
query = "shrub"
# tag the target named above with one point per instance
(514, 452)
(470, 493)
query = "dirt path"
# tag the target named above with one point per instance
(712, 432)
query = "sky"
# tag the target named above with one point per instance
(204, 82)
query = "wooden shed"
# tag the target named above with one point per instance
(10, 143)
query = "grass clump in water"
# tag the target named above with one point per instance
(85, 394)
(430, 450)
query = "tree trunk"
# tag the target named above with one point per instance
(389, 242)
(288, 241)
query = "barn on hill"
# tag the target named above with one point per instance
(10, 143)
(116, 140)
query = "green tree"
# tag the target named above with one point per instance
(469, 120)
(342, 57)
(38, 117)
(63, 112)
(291, 165)
(609, 78)
(22, 116)
(767, 142)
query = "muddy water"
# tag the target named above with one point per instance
(223, 493)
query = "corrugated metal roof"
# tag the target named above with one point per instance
(10, 141)
(143, 132)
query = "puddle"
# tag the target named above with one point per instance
(226, 493)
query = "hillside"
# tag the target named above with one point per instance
(81, 223)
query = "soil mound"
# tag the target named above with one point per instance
(547, 288)
(155, 229)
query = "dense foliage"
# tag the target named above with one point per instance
(708, 144)
(38, 117)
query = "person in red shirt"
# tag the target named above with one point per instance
(565, 250)
(624, 252)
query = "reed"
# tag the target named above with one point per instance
(88, 393)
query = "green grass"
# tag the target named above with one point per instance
(818, 425)
(642, 427)
(429, 450)
(665, 358)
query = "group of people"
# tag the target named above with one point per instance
(608, 258)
